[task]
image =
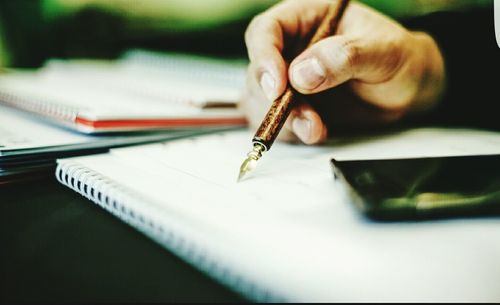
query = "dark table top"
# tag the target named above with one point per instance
(58, 246)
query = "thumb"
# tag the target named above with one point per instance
(337, 59)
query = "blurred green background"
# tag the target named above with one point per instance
(187, 14)
(31, 30)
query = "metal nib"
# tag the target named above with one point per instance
(251, 161)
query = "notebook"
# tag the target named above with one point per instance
(141, 90)
(29, 145)
(288, 233)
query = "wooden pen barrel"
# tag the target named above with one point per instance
(274, 119)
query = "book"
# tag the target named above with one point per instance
(30, 146)
(141, 90)
(289, 233)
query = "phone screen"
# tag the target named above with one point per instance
(423, 187)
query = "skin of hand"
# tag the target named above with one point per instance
(373, 71)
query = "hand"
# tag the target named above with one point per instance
(373, 71)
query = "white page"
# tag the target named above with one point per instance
(196, 79)
(20, 130)
(289, 228)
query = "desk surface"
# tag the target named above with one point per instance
(57, 246)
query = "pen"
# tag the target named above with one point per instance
(281, 107)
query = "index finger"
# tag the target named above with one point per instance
(268, 33)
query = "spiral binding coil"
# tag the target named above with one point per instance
(117, 200)
(40, 106)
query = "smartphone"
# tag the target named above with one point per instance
(417, 188)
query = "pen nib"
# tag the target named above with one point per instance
(247, 166)
(251, 161)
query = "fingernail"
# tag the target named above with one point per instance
(302, 128)
(268, 85)
(308, 74)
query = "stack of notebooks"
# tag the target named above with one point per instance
(78, 107)
(139, 91)
(29, 146)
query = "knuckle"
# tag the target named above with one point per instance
(343, 58)
(254, 24)
(351, 52)
(397, 48)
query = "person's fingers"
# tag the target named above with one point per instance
(307, 125)
(303, 123)
(255, 106)
(269, 67)
(342, 110)
(265, 39)
(335, 60)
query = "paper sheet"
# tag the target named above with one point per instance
(20, 130)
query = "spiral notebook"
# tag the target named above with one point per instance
(141, 90)
(288, 233)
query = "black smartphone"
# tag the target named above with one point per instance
(403, 189)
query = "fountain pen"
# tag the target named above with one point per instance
(282, 106)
